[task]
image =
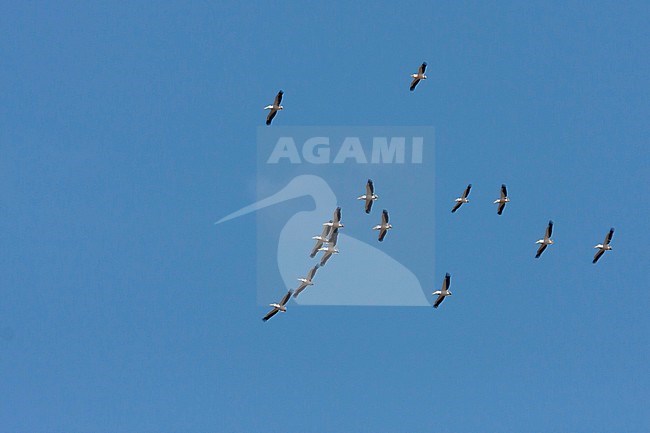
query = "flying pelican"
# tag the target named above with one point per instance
(320, 240)
(282, 245)
(369, 196)
(307, 281)
(335, 222)
(331, 247)
(419, 76)
(462, 199)
(281, 306)
(444, 292)
(384, 226)
(605, 246)
(502, 200)
(546, 241)
(274, 108)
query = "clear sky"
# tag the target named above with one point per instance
(127, 129)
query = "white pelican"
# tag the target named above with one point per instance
(605, 246)
(286, 257)
(444, 292)
(320, 240)
(384, 226)
(369, 196)
(546, 241)
(281, 306)
(274, 108)
(462, 199)
(419, 76)
(331, 247)
(307, 281)
(502, 200)
(335, 222)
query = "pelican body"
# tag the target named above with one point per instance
(546, 241)
(462, 199)
(275, 107)
(502, 200)
(442, 294)
(605, 246)
(279, 306)
(369, 197)
(419, 76)
(384, 226)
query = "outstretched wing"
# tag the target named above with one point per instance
(446, 283)
(456, 206)
(271, 115)
(286, 298)
(608, 238)
(540, 250)
(414, 84)
(312, 272)
(370, 188)
(439, 301)
(423, 67)
(334, 237)
(337, 215)
(549, 230)
(325, 258)
(384, 217)
(278, 98)
(599, 253)
(504, 191)
(299, 290)
(369, 201)
(467, 190)
(382, 234)
(500, 208)
(270, 314)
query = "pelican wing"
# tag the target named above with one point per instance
(337, 215)
(414, 83)
(299, 290)
(446, 283)
(312, 272)
(286, 298)
(599, 253)
(549, 230)
(456, 206)
(608, 238)
(270, 314)
(466, 192)
(500, 208)
(423, 67)
(271, 115)
(333, 238)
(504, 192)
(384, 217)
(370, 188)
(439, 301)
(314, 250)
(369, 201)
(278, 98)
(540, 250)
(325, 258)
(382, 234)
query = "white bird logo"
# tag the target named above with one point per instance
(346, 280)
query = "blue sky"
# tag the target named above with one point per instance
(127, 129)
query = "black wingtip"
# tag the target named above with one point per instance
(424, 63)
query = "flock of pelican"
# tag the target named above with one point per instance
(326, 242)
